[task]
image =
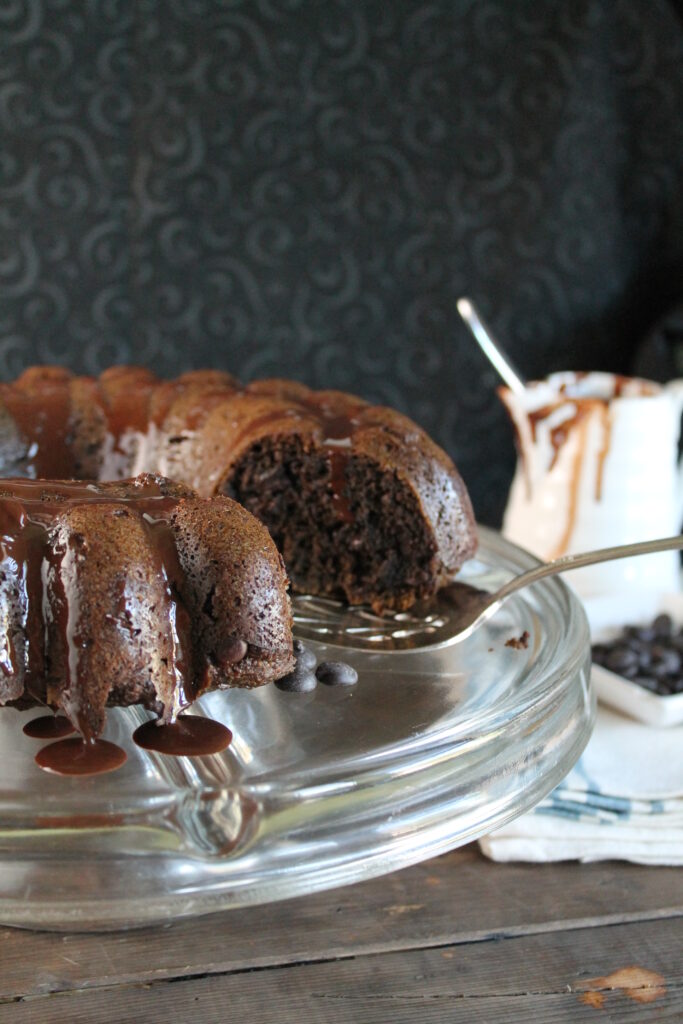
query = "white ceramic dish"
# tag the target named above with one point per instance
(606, 620)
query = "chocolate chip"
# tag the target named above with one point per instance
(336, 673)
(600, 652)
(305, 658)
(232, 651)
(662, 626)
(644, 633)
(667, 687)
(621, 659)
(666, 660)
(650, 655)
(298, 681)
(647, 682)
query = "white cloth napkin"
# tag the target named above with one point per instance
(622, 801)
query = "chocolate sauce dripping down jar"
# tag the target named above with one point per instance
(597, 466)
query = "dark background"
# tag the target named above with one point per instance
(305, 188)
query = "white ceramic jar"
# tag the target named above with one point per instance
(598, 465)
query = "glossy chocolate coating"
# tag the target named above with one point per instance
(139, 592)
(198, 427)
(134, 592)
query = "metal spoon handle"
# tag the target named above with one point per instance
(491, 349)
(567, 562)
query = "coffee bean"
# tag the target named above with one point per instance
(298, 681)
(305, 658)
(336, 673)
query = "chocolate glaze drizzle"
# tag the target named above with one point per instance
(32, 563)
(21, 544)
(339, 460)
(44, 423)
(132, 401)
(584, 406)
(337, 424)
(127, 405)
(166, 556)
(124, 394)
(338, 431)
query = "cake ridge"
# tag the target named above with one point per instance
(133, 565)
(265, 443)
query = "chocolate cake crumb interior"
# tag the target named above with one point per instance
(378, 552)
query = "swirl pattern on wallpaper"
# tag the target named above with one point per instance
(292, 187)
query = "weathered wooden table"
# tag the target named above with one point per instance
(455, 939)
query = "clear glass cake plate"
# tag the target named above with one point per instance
(437, 744)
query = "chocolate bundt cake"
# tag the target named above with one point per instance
(359, 500)
(133, 592)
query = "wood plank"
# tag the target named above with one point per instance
(557, 977)
(460, 897)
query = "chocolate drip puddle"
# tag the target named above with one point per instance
(76, 756)
(48, 727)
(188, 736)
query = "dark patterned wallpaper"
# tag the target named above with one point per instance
(305, 188)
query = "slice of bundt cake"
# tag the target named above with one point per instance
(136, 592)
(360, 501)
